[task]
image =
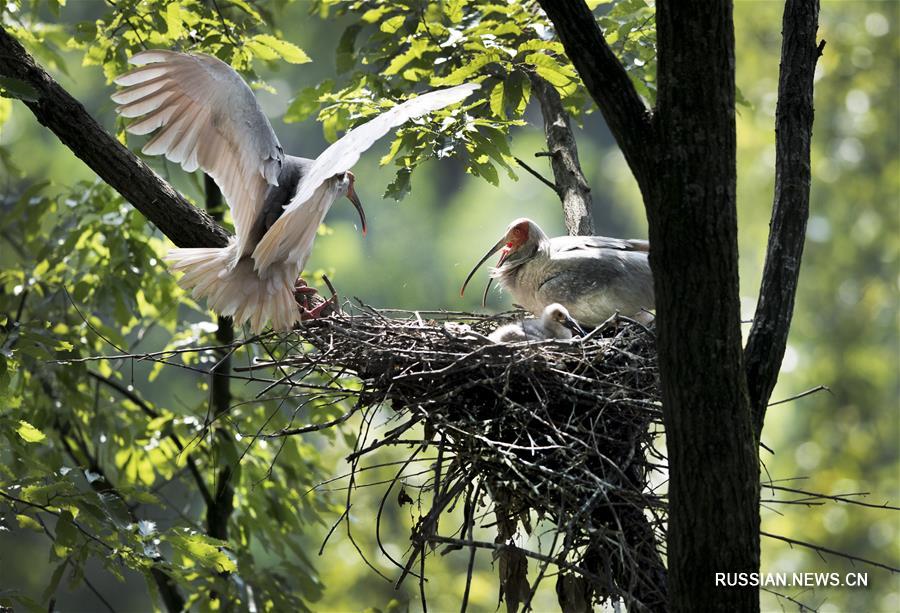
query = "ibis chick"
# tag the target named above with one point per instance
(594, 277)
(554, 323)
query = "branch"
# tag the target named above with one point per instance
(820, 550)
(221, 507)
(184, 224)
(606, 80)
(571, 186)
(150, 412)
(793, 129)
(537, 175)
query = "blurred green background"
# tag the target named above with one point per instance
(417, 252)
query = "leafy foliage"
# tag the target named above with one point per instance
(392, 47)
(86, 452)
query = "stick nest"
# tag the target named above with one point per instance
(558, 431)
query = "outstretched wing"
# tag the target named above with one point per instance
(340, 157)
(207, 117)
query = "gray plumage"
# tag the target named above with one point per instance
(594, 277)
(278, 196)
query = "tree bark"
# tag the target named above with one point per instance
(713, 461)
(571, 186)
(684, 159)
(184, 224)
(606, 81)
(219, 512)
(790, 211)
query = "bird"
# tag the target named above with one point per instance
(554, 323)
(594, 277)
(205, 116)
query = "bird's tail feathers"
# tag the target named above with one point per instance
(236, 290)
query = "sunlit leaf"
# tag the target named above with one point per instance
(29, 433)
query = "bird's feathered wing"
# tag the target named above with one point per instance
(340, 157)
(207, 117)
(589, 243)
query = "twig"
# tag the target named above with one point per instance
(538, 175)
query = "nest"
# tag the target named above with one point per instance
(557, 431)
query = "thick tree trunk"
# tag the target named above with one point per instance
(684, 161)
(713, 463)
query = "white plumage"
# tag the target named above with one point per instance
(554, 323)
(205, 116)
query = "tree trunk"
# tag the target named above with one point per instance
(684, 161)
(713, 462)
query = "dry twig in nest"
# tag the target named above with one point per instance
(558, 430)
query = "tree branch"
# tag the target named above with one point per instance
(152, 413)
(220, 508)
(184, 224)
(537, 175)
(605, 78)
(790, 211)
(571, 186)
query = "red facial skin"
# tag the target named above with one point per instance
(516, 236)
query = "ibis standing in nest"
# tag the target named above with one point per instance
(594, 277)
(554, 323)
(206, 116)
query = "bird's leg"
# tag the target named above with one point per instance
(311, 303)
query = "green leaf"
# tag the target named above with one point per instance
(5, 111)
(467, 70)
(28, 522)
(415, 51)
(16, 88)
(203, 550)
(268, 47)
(29, 433)
(399, 187)
(345, 56)
(497, 106)
(389, 26)
(174, 20)
(550, 69)
(50, 590)
(181, 460)
(306, 102)
(66, 532)
(373, 15)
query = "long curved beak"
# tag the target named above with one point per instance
(500, 245)
(352, 197)
(572, 325)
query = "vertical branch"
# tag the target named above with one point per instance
(571, 186)
(607, 81)
(219, 512)
(790, 211)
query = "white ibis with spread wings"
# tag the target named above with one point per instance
(206, 116)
